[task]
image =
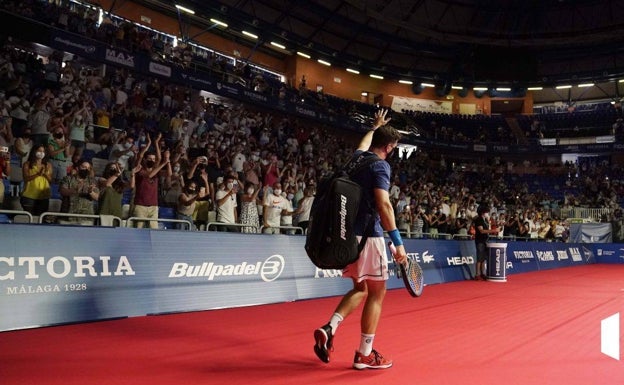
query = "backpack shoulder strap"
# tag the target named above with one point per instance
(356, 164)
(359, 162)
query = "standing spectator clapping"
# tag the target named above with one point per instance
(112, 187)
(226, 203)
(187, 200)
(37, 175)
(249, 208)
(82, 191)
(147, 186)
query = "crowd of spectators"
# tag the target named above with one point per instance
(164, 145)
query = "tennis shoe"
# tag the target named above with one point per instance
(323, 346)
(373, 361)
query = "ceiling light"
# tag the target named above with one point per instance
(219, 22)
(184, 9)
(562, 87)
(406, 82)
(376, 76)
(427, 85)
(480, 89)
(278, 45)
(503, 89)
(585, 85)
(353, 71)
(534, 89)
(251, 35)
(457, 87)
(305, 55)
(323, 62)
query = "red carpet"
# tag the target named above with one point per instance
(538, 328)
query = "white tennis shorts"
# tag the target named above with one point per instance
(372, 264)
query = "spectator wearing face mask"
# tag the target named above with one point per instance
(112, 186)
(272, 171)
(123, 151)
(77, 128)
(37, 175)
(238, 161)
(226, 203)
(275, 206)
(38, 119)
(187, 200)
(81, 190)
(249, 209)
(304, 207)
(23, 145)
(58, 149)
(147, 186)
(287, 215)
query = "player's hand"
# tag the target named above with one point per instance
(400, 255)
(380, 119)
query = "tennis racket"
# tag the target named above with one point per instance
(411, 272)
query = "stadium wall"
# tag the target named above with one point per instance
(51, 275)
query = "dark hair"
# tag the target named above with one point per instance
(32, 155)
(384, 136)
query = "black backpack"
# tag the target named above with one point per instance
(331, 242)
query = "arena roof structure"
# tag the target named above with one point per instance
(456, 42)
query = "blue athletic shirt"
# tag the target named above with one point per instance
(377, 175)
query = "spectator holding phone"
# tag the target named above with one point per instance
(225, 199)
(187, 200)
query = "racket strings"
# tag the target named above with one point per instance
(415, 275)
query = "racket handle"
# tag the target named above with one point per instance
(392, 248)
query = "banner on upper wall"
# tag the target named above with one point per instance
(400, 103)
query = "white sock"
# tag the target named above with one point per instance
(334, 321)
(366, 344)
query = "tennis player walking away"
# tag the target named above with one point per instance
(370, 272)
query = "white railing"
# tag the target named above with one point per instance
(594, 214)
(130, 221)
(78, 219)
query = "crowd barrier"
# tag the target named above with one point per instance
(53, 275)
